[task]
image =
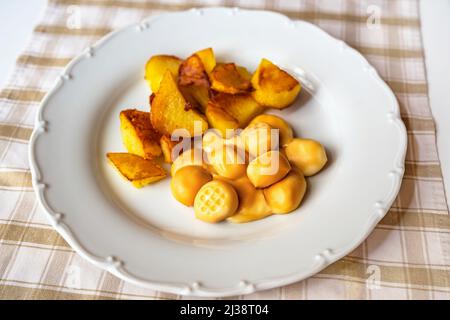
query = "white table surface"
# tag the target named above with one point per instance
(18, 17)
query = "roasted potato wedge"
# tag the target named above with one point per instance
(156, 67)
(137, 170)
(208, 59)
(241, 107)
(226, 78)
(194, 82)
(167, 146)
(219, 119)
(138, 135)
(192, 72)
(274, 87)
(197, 96)
(170, 111)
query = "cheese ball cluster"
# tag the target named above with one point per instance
(250, 176)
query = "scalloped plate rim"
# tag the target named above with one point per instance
(115, 266)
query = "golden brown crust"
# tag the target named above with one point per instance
(226, 78)
(167, 146)
(242, 107)
(139, 121)
(136, 169)
(168, 110)
(192, 72)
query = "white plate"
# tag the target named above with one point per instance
(146, 237)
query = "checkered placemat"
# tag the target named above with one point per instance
(408, 254)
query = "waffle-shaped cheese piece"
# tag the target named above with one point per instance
(215, 201)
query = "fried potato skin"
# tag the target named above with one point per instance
(226, 78)
(274, 87)
(137, 170)
(138, 135)
(170, 110)
(157, 66)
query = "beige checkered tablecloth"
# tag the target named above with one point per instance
(408, 252)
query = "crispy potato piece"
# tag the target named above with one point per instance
(219, 119)
(194, 83)
(241, 107)
(226, 78)
(244, 73)
(137, 170)
(156, 67)
(170, 111)
(197, 96)
(167, 146)
(274, 87)
(138, 135)
(208, 59)
(192, 72)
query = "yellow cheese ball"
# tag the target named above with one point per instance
(215, 201)
(228, 162)
(191, 157)
(285, 131)
(307, 155)
(252, 204)
(257, 139)
(212, 141)
(287, 194)
(186, 183)
(267, 169)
